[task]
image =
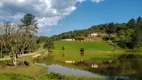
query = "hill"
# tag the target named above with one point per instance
(87, 45)
(125, 35)
(80, 33)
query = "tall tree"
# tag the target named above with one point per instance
(131, 24)
(29, 23)
(110, 29)
(138, 33)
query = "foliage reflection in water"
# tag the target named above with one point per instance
(125, 67)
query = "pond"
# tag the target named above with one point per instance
(70, 71)
(126, 67)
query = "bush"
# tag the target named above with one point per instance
(82, 51)
(128, 56)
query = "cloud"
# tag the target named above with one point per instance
(47, 30)
(97, 1)
(1, 5)
(47, 12)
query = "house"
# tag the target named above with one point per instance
(93, 34)
(68, 39)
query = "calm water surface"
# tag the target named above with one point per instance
(127, 69)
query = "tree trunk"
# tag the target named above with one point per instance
(48, 49)
(110, 36)
(14, 60)
(1, 52)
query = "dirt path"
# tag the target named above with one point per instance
(29, 54)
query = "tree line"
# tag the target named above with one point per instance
(126, 35)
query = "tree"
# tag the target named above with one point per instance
(5, 32)
(129, 35)
(82, 51)
(29, 23)
(48, 44)
(131, 24)
(11, 42)
(15, 39)
(110, 29)
(136, 34)
(1, 48)
(138, 37)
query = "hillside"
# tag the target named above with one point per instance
(81, 33)
(125, 35)
(87, 45)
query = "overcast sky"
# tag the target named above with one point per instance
(57, 16)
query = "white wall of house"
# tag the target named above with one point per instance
(69, 39)
(93, 34)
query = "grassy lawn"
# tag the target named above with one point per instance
(94, 50)
(87, 45)
(25, 72)
(11, 76)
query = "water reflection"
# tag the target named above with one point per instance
(71, 71)
(48, 59)
(128, 65)
(125, 67)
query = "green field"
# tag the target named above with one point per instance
(87, 45)
(94, 50)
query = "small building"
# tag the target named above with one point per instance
(93, 34)
(68, 39)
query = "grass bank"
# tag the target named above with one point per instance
(30, 72)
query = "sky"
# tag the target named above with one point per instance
(58, 16)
